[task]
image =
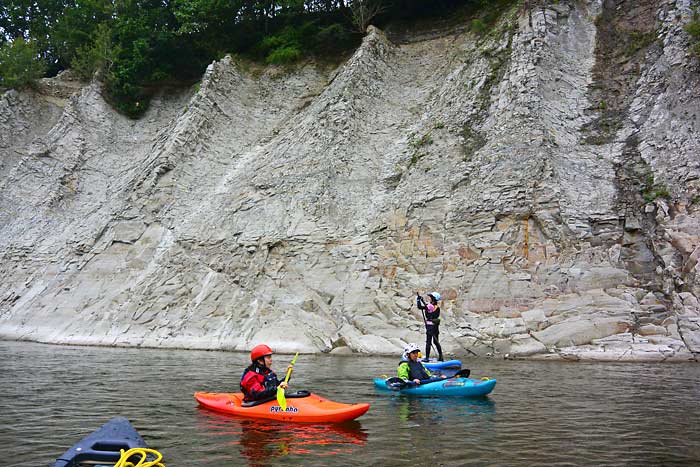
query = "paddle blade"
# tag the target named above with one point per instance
(281, 399)
(396, 383)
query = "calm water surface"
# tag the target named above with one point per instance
(541, 413)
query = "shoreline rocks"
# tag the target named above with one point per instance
(304, 208)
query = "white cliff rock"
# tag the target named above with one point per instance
(544, 178)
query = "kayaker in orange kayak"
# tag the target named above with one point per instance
(258, 381)
(259, 398)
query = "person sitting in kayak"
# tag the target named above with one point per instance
(258, 381)
(431, 318)
(411, 369)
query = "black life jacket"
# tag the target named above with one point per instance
(416, 370)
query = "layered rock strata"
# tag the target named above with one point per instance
(544, 178)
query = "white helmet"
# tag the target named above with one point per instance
(411, 348)
(436, 296)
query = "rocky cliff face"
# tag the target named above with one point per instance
(544, 178)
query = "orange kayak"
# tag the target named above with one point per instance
(301, 407)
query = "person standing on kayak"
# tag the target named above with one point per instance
(412, 369)
(258, 381)
(431, 318)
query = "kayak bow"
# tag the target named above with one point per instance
(103, 445)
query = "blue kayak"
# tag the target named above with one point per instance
(459, 387)
(448, 365)
(102, 446)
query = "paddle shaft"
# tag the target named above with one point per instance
(291, 365)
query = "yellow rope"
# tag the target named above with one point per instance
(143, 452)
(485, 378)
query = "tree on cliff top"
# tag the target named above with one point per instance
(364, 11)
(20, 63)
(142, 44)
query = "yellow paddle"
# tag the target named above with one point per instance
(281, 400)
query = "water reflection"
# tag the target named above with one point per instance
(262, 441)
(541, 413)
(422, 410)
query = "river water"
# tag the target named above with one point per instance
(540, 413)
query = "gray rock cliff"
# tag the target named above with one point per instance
(544, 178)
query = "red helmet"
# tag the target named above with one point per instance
(259, 351)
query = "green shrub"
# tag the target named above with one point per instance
(478, 26)
(284, 47)
(424, 140)
(284, 55)
(652, 190)
(20, 63)
(288, 36)
(638, 41)
(333, 38)
(271, 43)
(97, 55)
(693, 29)
(126, 97)
(333, 33)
